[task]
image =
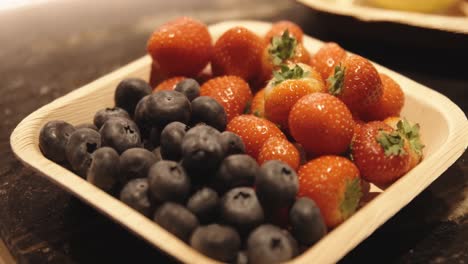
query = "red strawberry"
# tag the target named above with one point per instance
(278, 28)
(380, 153)
(232, 92)
(257, 107)
(286, 88)
(390, 103)
(238, 52)
(168, 84)
(276, 148)
(334, 184)
(356, 82)
(322, 124)
(253, 131)
(180, 47)
(326, 58)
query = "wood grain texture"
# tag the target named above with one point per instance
(444, 128)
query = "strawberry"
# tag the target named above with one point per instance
(380, 153)
(257, 107)
(278, 29)
(168, 84)
(282, 50)
(180, 47)
(356, 82)
(288, 86)
(326, 58)
(334, 184)
(253, 131)
(276, 148)
(390, 103)
(232, 92)
(238, 52)
(322, 124)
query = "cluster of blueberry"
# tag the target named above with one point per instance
(165, 155)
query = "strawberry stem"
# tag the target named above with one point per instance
(282, 48)
(412, 134)
(336, 81)
(392, 143)
(352, 196)
(286, 73)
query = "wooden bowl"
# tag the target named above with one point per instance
(444, 131)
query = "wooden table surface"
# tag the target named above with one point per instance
(53, 47)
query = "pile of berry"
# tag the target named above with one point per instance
(275, 146)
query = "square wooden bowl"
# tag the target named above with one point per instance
(444, 131)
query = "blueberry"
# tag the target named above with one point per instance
(269, 244)
(105, 114)
(204, 203)
(216, 241)
(241, 209)
(120, 134)
(168, 182)
(165, 107)
(135, 195)
(129, 92)
(104, 169)
(242, 258)
(189, 87)
(155, 137)
(276, 184)
(87, 125)
(157, 154)
(177, 220)
(53, 139)
(207, 110)
(171, 140)
(135, 163)
(236, 170)
(80, 147)
(141, 117)
(306, 221)
(231, 143)
(201, 150)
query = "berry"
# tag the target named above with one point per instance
(257, 108)
(390, 103)
(177, 220)
(322, 124)
(180, 47)
(334, 184)
(269, 244)
(135, 194)
(204, 203)
(80, 147)
(326, 58)
(165, 107)
(189, 87)
(53, 139)
(240, 208)
(168, 182)
(104, 169)
(276, 184)
(356, 82)
(216, 241)
(253, 131)
(231, 92)
(171, 141)
(207, 110)
(276, 148)
(168, 84)
(236, 170)
(135, 163)
(411, 134)
(237, 52)
(87, 125)
(129, 92)
(120, 134)
(231, 143)
(278, 29)
(241, 258)
(157, 154)
(105, 114)
(141, 117)
(307, 221)
(154, 139)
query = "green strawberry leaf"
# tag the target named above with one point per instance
(352, 196)
(392, 143)
(412, 134)
(336, 81)
(286, 73)
(282, 48)
(247, 107)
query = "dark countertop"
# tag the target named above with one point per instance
(52, 48)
